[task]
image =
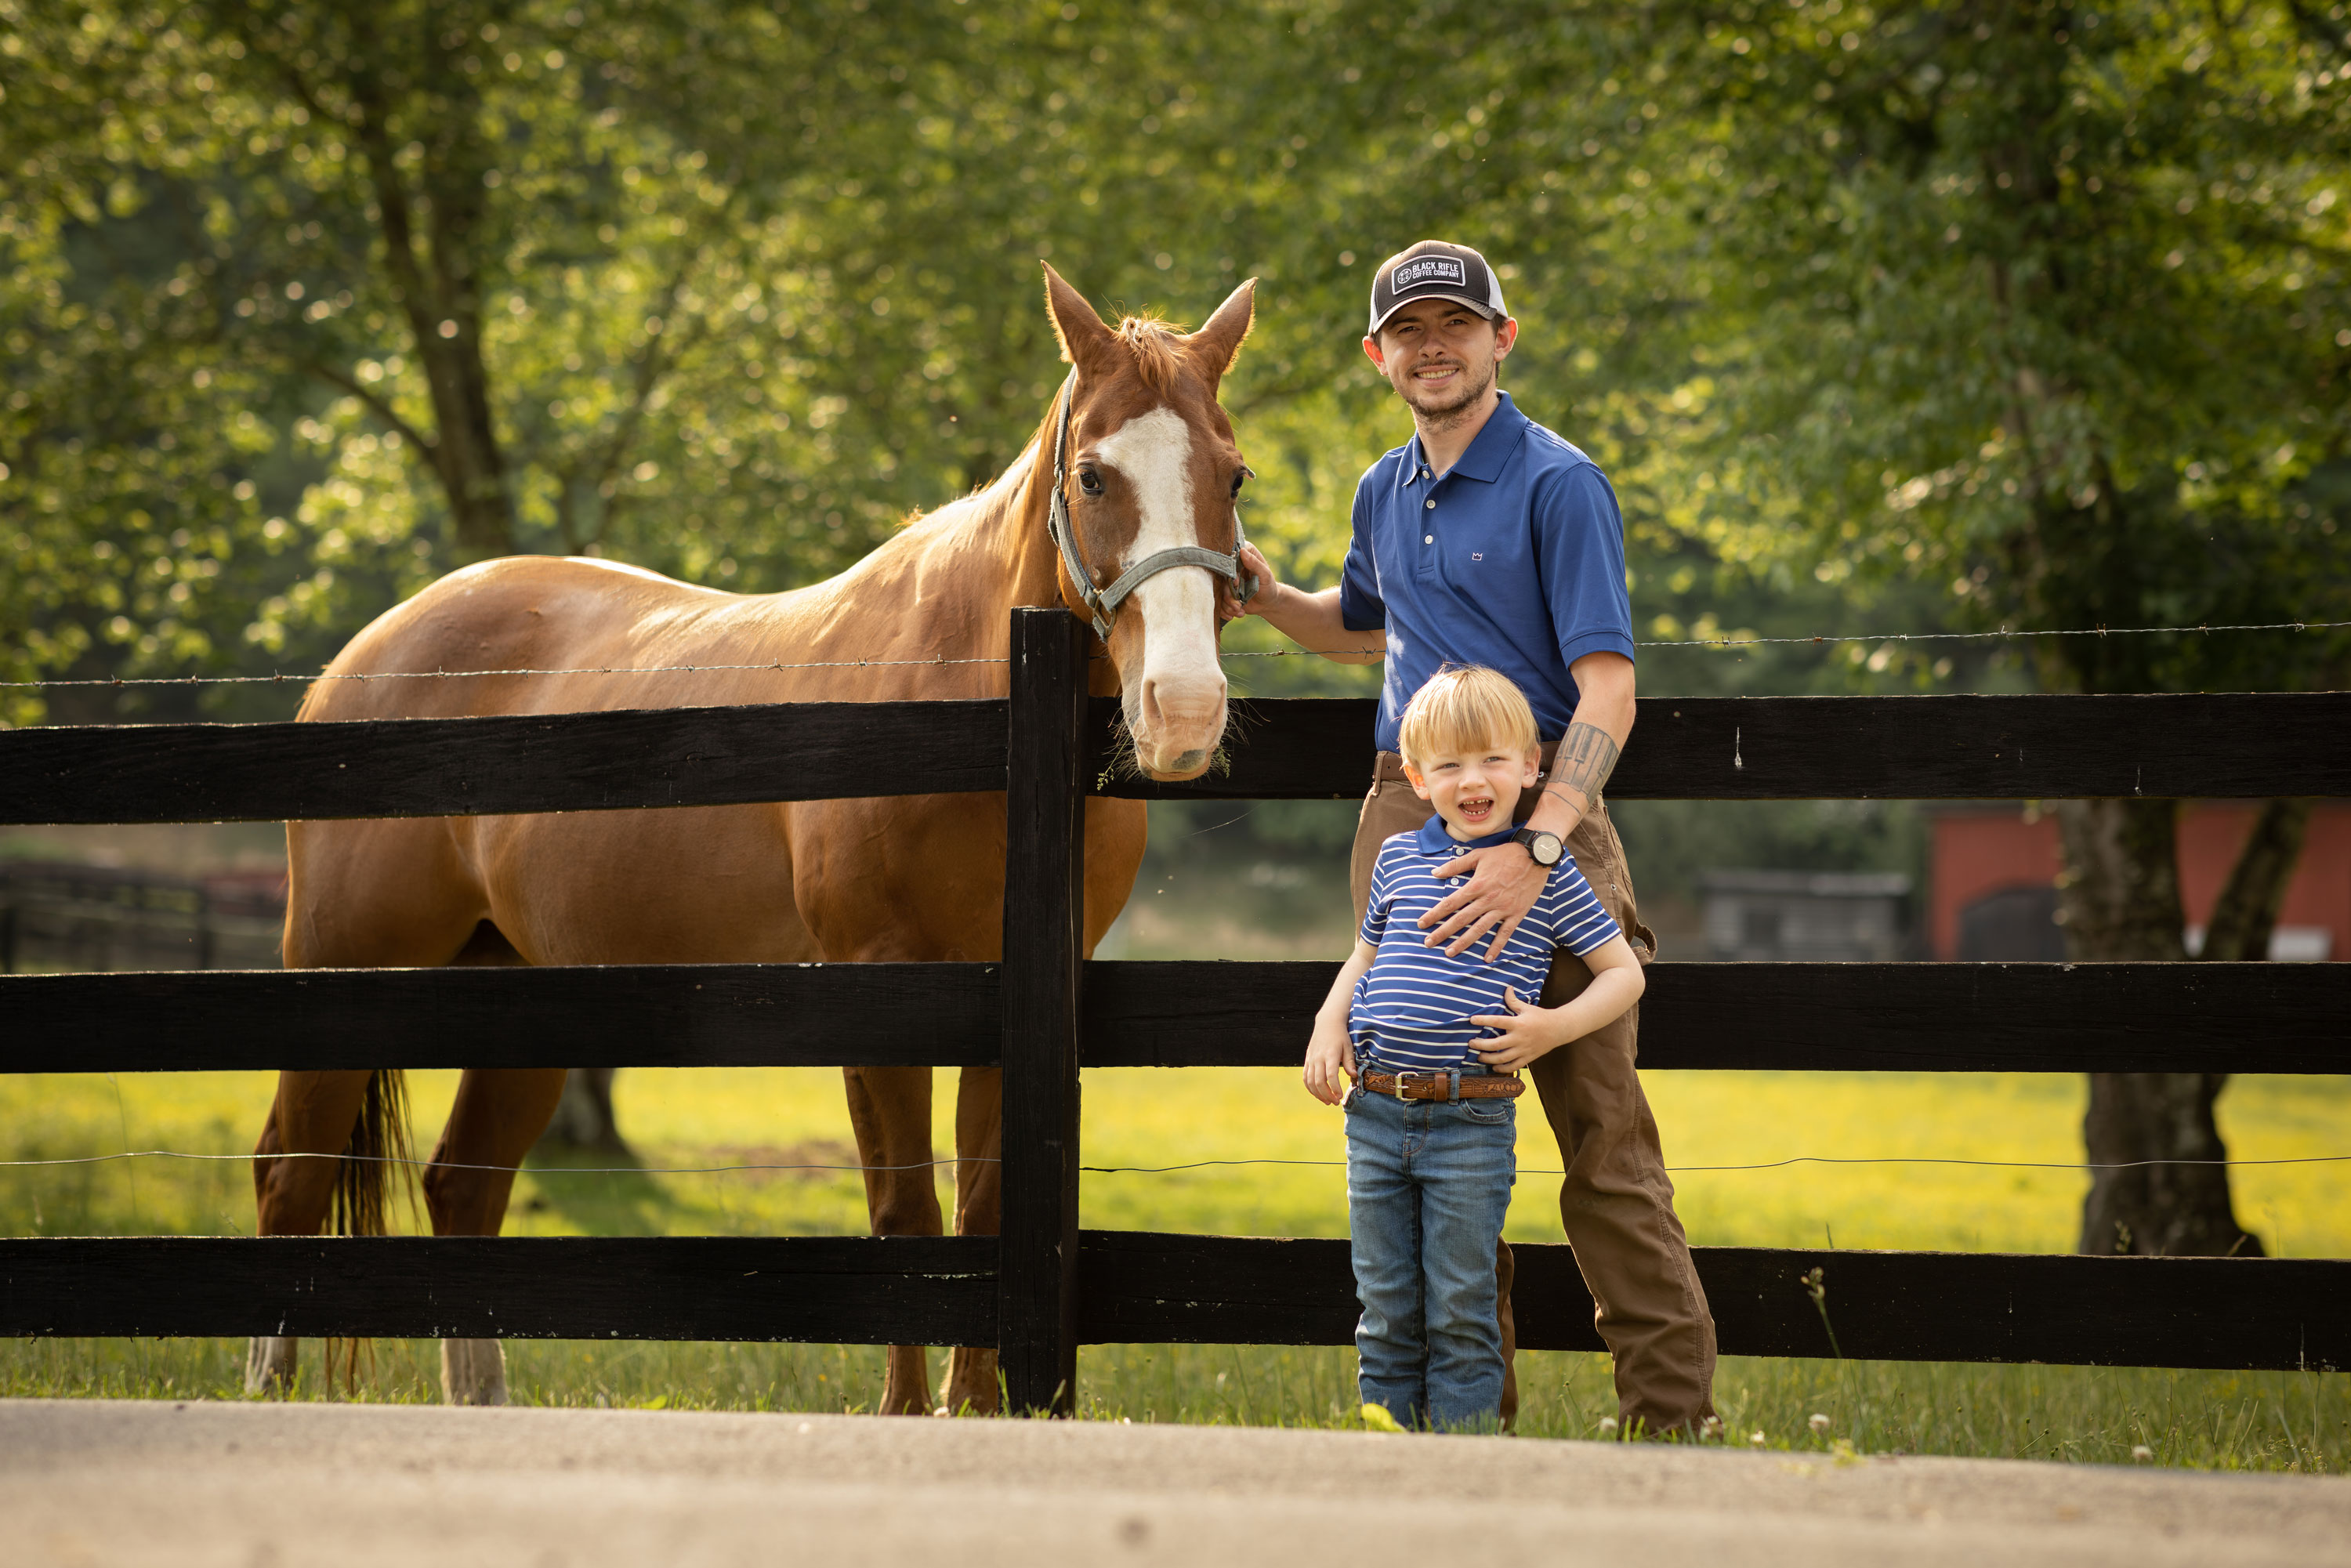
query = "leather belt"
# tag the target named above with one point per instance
(1448, 1086)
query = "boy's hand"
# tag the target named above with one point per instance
(1329, 1063)
(1503, 885)
(1525, 1033)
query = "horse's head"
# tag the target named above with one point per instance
(1151, 480)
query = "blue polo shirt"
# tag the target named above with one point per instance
(1515, 559)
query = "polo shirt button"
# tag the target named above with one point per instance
(1430, 504)
(1428, 538)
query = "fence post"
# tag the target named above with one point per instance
(1044, 903)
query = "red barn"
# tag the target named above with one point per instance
(1994, 880)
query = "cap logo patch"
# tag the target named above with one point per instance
(1428, 269)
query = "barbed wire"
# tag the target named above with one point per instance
(1138, 1170)
(2003, 633)
(483, 674)
(500, 1170)
(1794, 1160)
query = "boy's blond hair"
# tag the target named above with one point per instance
(1462, 706)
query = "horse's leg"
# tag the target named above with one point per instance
(979, 1195)
(890, 1109)
(313, 1114)
(379, 894)
(498, 1116)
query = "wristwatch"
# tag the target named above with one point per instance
(1545, 847)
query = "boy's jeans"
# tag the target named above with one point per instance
(1428, 1183)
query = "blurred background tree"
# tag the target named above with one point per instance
(2051, 301)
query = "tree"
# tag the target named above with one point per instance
(2051, 301)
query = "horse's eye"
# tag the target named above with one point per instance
(1239, 480)
(1090, 482)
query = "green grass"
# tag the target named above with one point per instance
(2228, 1421)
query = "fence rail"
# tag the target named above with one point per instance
(2249, 746)
(1044, 1286)
(626, 759)
(1142, 1287)
(1896, 1018)
(82, 917)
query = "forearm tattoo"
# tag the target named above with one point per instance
(1587, 757)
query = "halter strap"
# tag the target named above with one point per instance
(1102, 603)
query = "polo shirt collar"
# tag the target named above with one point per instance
(1487, 454)
(1435, 839)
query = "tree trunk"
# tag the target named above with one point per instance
(2247, 911)
(583, 1117)
(436, 241)
(2159, 1183)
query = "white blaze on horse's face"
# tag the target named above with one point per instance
(1175, 703)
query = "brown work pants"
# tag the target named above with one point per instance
(1617, 1202)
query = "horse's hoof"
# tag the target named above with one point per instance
(473, 1372)
(270, 1360)
(971, 1387)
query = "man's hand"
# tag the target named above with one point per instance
(1229, 606)
(1330, 1063)
(1312, 621)
(1524, 1033)
(1504, 883)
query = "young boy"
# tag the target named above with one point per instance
(1434, 1044)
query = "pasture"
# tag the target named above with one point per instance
(1141, 1118)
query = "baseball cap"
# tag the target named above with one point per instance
(1434, 270)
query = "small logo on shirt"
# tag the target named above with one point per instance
(1427, 269)
(1477, 555)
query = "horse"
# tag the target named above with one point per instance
(1122, 508)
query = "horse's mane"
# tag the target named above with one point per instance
(1157, 345)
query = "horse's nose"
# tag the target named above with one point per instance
(1172, 704)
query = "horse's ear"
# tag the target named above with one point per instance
(1218, 343)
(1086, 342)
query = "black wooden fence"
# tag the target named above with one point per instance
(1045, 1286)
(57, 916)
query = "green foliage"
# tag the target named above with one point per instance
(1897, 314)
(2047, 302)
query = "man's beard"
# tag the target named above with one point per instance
(1450, 413)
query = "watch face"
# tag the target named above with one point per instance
(1544, 847)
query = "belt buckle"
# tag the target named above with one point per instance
(1401, 1079)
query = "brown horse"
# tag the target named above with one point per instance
(1153, 470)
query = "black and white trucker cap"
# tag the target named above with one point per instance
(1435, 270)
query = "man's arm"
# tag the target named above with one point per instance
(1504, 880)
(1595, 739)
(1311, 620)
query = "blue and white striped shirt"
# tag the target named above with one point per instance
(1412, 1009)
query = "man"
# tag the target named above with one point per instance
(1487, 539)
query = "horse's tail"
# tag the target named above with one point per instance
(374, 1165)
(377, 1159)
